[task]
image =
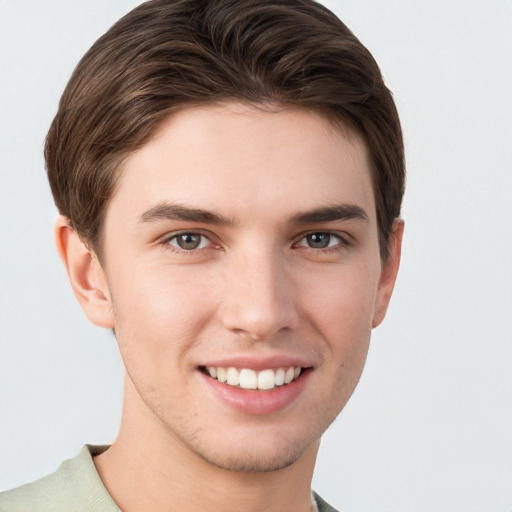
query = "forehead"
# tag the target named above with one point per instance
(244, 159)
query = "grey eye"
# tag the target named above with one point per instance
(188, 241)
(319, 240)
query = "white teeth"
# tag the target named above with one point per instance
(233, 377)
(221, 374)
(280, 377)
(250, 379)
(288, 376)
(266, 379)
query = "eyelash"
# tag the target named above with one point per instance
(342, 242)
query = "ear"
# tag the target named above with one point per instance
(389, 272)
(86, 275)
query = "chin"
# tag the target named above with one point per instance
(246, 461)
(263, 450)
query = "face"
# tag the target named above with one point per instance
(242, 267)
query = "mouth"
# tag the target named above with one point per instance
(247, 378)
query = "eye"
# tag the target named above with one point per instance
(189, 241)
(320, 240)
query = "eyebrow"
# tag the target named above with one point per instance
(170, 211)
(330, 214)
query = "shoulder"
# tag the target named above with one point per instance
(322, 505)
(74, 487)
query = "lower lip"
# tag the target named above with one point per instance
(256, 402)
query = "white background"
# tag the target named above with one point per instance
(430, 425)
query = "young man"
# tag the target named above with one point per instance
(229, 175)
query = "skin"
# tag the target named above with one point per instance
(257, 288)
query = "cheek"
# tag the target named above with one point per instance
(342, 314)
(343, 305)
(158, 312)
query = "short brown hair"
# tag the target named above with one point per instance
(166, 55)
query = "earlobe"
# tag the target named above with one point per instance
(85, 273)
(389, 273)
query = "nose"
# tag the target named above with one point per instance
(259, 298)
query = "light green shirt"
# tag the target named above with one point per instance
(74, 487)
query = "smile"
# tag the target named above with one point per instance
(246, 378)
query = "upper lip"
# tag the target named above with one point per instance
(259, 363)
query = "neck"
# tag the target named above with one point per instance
(148, 468)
